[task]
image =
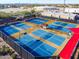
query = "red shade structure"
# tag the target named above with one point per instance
(66, 53)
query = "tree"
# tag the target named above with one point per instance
(5, 15)
(35, 13)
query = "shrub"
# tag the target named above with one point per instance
(14, 56)
(10, 52)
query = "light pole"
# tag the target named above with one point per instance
(64, 5)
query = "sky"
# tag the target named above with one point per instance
(39, 1)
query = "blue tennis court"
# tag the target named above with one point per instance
(58, 28)
(22, 25)
(71, 25)
(9, 30)
(35, 46)
(58, 40)
(57, 23)
(43, 34)
(30, 41)
(65, 24)
(37, 21)
(45, 50)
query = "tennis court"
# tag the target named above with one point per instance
(29, 41)
(65, 24)
(34, 46)
(45, 50)
(52, 26)
(37, 47)
(43, 34)
(21, 25)
(9, 30)
(37, 20)
(58, 40)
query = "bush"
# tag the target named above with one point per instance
(4, 15)
(1, 51)
(14, 56)
(10, 52)
(6, 50)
